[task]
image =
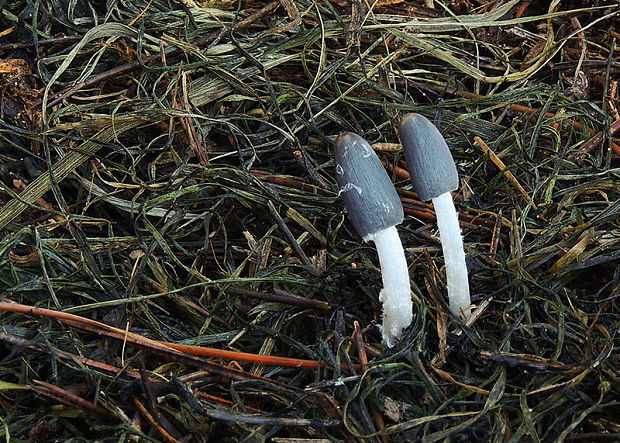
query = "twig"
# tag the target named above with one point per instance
(281, 298)
(104, 367)
(309, 168)
(288, 181)
(595, 141)
(289, 236)
(71, 399)
(45, 42)
(502, 167)
(496, 232)
(163, 347)
(521, 9)
(190, 129)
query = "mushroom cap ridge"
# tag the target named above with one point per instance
(429, 160)
(368, 192)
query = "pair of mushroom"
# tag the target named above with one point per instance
(375, 210)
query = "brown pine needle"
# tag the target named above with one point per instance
(502, 167)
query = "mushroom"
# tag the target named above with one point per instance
(375, 209)
(434, 175)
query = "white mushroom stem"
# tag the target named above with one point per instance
(453, 253)
(396, 292)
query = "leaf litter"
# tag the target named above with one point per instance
(176, 264)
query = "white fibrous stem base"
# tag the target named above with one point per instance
(396, 292)
(454, 255)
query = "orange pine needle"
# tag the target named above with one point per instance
(101, 328)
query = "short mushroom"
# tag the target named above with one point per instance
(375, 209)
(434, 175)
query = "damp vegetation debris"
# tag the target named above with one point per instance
(176, 262)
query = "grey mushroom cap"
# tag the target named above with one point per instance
(368, 192)
(429, 160)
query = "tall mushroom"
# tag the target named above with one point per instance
(375, 210)
(434, 175)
